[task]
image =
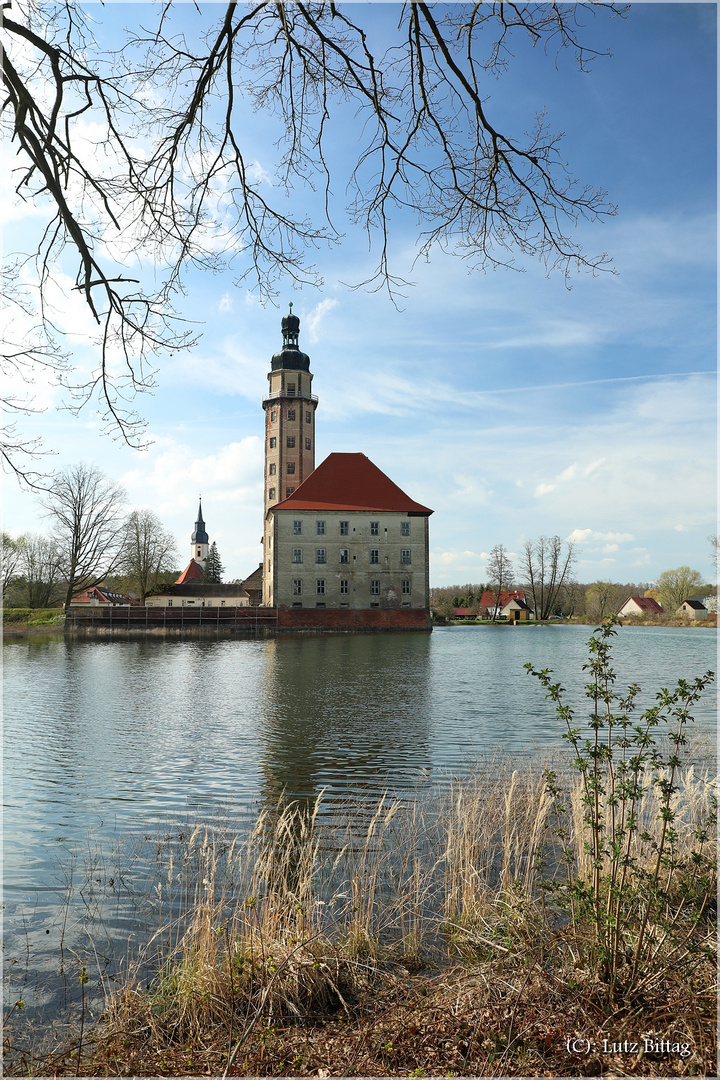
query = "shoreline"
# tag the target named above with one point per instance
(24, 630)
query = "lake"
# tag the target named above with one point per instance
(107, 740)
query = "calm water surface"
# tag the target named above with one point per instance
(108, 739)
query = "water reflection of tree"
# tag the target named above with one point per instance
(350, 715)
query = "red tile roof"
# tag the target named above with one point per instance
(350, 482)
(488, 598)
(192, 572)
(102, 595)
(646, 603)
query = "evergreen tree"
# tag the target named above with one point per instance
(214, 568)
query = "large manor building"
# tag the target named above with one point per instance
(339, 536)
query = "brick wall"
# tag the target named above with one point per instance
(349, 619)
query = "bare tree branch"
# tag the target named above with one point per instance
(169, 182)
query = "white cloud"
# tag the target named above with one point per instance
(313, 321)
(226, 302)
(581, 536)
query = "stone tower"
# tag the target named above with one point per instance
(289, 420)
(199, 540)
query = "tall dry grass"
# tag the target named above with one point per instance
(298, 921)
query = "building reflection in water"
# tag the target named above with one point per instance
(348, 714)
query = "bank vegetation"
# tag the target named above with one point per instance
(533, 921)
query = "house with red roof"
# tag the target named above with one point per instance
(640, 605)
(509, 605)
(347, 537)
(100, 596)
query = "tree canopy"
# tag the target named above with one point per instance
(137, 161)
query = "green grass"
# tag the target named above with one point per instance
(32, 616)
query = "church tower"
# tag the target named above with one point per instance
(289, 421)
(199, 540)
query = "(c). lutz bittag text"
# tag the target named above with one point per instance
(581, 1046)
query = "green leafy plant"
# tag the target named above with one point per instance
(633, 893)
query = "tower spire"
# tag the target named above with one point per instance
(199, 540)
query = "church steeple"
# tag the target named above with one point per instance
(199, 540)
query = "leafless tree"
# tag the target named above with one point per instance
(10, 560)
(546, 569)
(500, 577)
(39, 560)
(170, 178)
(148, 551)
(87, 514)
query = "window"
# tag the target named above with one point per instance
(320, 555)
(404, 528)
(297, 555)
(169, 603)
(374, 528)
(321, 528)
(291, 466)
(405, 557)
(375, 588)
(320, 586)
(272, 468)
(291, 414)
(344, 528)
(308, 417)
(291, 388)
(344, 590)
(344, 555)
(291, 442)
(297, 603)
(297, 586)
(374, 555)
(406, 587)
(273, 442)
(271, 493)
(297, 527)
(288, 492)
(273, 415)
(308, 444)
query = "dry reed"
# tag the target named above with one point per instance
(422, 942)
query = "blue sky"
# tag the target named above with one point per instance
(508, 403)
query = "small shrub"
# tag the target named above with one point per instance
(635, 889)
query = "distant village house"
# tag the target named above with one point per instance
(693, 609)
(640, 605)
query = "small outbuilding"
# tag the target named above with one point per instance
(693, 609)
(197, 594)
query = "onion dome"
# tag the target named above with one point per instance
(290, 357)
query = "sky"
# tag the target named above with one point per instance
(512, 405)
